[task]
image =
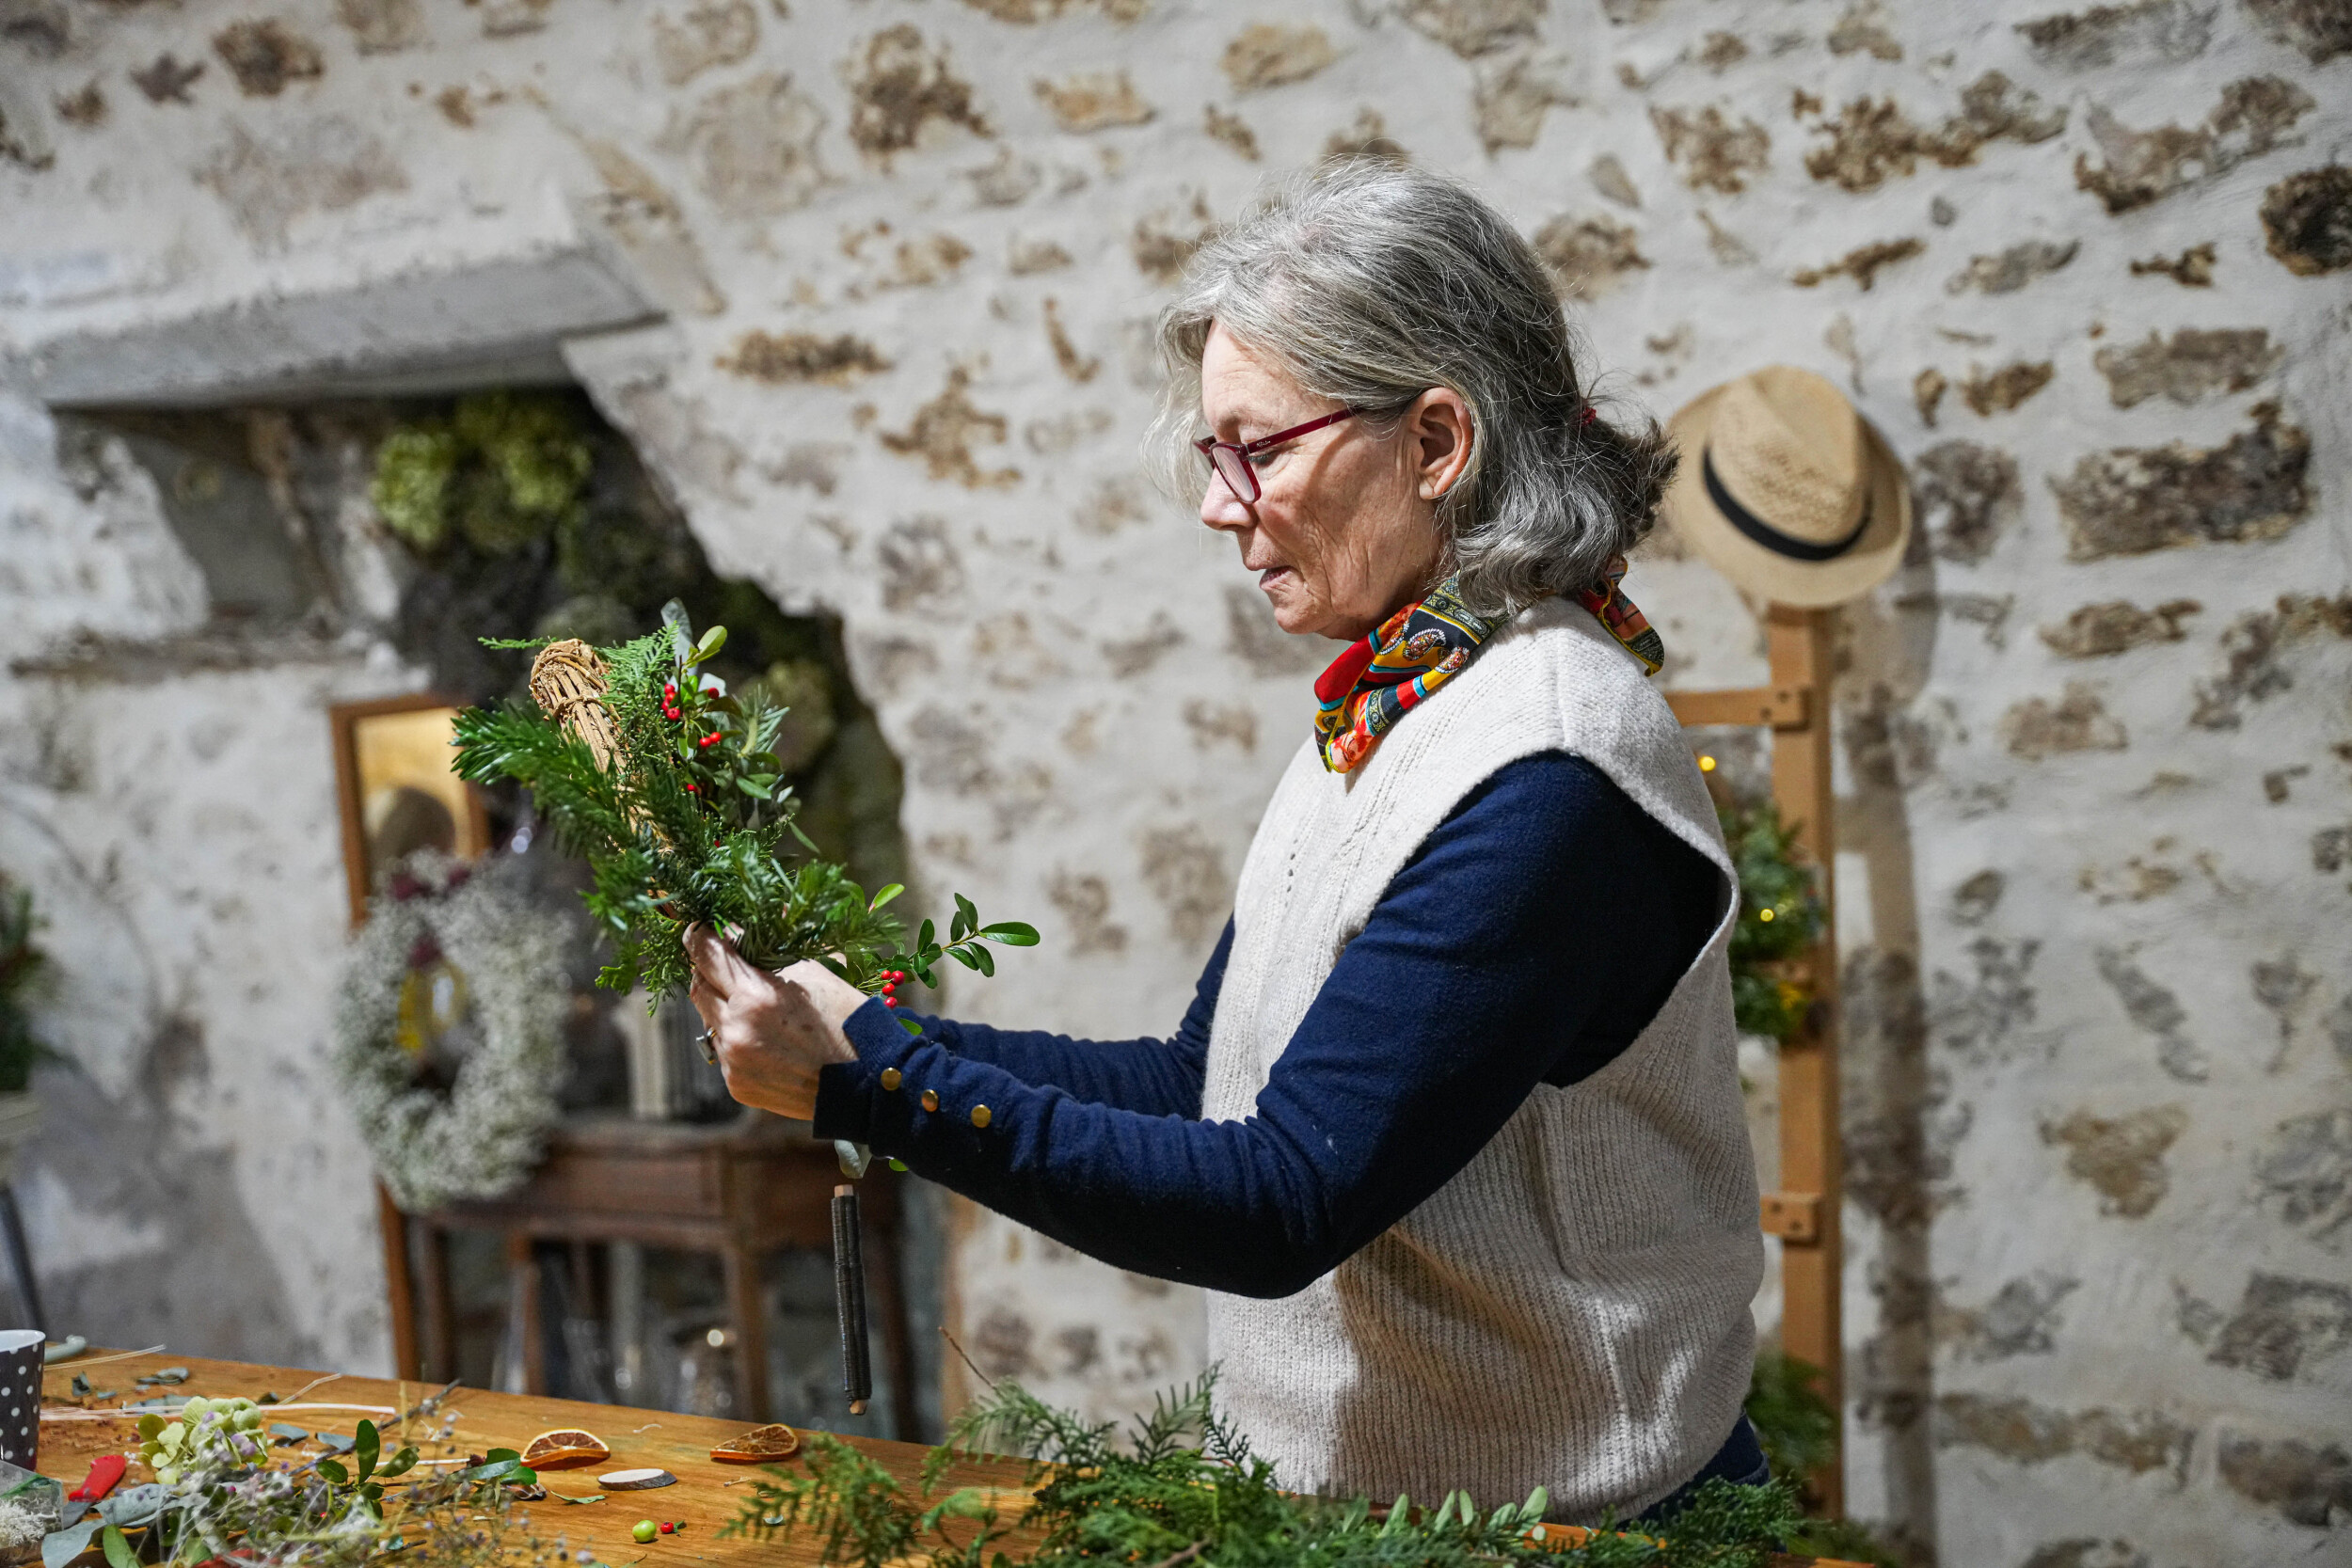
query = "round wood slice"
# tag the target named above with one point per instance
(635, 1480)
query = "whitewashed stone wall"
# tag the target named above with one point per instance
(2087, 270)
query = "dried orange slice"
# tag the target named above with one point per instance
(759, 1446)
(565, 1448)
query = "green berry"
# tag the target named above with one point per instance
(644, 1530)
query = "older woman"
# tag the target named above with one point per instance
(1452, 1133)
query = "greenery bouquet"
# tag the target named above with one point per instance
(669, 785)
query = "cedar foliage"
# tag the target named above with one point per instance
(1162, 1498)
(694, 825)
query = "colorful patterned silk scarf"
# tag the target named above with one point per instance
(1394, 668)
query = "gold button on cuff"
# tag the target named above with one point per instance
(890, 1078)
(979, 1116)
(930, 1099)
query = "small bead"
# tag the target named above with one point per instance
(930, 1099)
(892, 1078)
(979, 1116)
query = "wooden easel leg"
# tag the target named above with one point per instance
(1811, 1155)
(400, 1287)
(748, 1306)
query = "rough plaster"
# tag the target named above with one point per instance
(2085, 267)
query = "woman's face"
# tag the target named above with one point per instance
(1345, 530)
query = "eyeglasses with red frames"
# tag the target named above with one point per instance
(1230, 461)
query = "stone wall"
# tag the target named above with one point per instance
(2085, 269)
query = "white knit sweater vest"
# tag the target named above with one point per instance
(1571, 1309)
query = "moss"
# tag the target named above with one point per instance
(501, 473)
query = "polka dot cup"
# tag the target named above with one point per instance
(20, 1396)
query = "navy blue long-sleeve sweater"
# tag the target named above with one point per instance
(1528, 939)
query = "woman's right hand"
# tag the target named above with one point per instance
(774, 1033)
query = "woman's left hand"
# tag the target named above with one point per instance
(772, 1032)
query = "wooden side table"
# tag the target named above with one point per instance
(741, 1189)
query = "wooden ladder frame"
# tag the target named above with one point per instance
(1804, 1211)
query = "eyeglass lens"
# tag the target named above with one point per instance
(1234, 469)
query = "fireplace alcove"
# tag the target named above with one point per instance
(256, 425)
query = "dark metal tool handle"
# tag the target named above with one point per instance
(849, 1299)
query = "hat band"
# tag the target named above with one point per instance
(1765, 533)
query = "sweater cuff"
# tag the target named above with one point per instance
(846, 1091)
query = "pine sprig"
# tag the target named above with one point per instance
(693, 824)
(1158, 1501)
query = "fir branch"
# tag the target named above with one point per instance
(1780, 919)
(1165, 1504)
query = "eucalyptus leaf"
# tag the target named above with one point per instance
(59, 1547)
(135, 1506)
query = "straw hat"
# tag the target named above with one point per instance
(1787, 490)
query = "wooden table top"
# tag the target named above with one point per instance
(706, 1496)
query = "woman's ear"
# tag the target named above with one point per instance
(1440, 430)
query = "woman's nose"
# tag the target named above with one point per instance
(1222, 508)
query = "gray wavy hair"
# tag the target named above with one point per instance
(1369, 283)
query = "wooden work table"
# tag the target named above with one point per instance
(706, 1495)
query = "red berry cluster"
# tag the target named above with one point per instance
(890, 985)
(668, 702)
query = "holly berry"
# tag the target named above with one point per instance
(890, 1001)
(693, 789)
(709, 740)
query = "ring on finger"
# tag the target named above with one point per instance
(708, 1047)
